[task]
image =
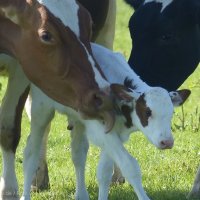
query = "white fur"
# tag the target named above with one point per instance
(65, 10)
(111, 144)
(164, 3)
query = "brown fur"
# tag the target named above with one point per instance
(142, 110)
(61, 64)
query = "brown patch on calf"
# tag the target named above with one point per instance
(142, 110)
(126, 111)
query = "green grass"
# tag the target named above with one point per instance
(167, 175)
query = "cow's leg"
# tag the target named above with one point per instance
(10, 126)
(41, 178)
(117, 176)
(195, 192)
(104, 175)
(79, 146)
(107, 34)
(42, 113)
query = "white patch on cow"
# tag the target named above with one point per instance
(102, 83)
(66, 11)
(164, 3)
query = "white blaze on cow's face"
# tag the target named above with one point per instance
(153, 114)
(164, 3)
(58, 9)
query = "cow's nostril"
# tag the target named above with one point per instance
(98, 100)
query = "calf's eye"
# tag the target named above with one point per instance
(148, 113)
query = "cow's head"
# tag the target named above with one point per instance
(50, 39)
(166, 40)
(151, 112)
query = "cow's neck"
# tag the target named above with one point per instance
(9, 39)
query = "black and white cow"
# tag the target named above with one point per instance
(166, 45)
(166, 40)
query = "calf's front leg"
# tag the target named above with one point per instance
(113, 147)
(79, 149)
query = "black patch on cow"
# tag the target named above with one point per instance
(166, 45)
(134, 3)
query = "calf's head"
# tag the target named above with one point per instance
(165, 40)
(152, 113)
(50, 39)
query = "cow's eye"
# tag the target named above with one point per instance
(46, 37)
(166, 37)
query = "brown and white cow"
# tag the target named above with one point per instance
(54, 51)
(55, 54)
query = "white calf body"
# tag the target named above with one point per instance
(156, 126)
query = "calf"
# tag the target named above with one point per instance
(144, 108)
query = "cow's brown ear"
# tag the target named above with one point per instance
(134, 3)
(19, 12)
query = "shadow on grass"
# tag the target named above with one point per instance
(127, 193)
(117, 192)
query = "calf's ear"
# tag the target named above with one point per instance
(179, 97)
(120, 92)
(134, 3)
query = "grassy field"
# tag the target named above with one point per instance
(167, 175)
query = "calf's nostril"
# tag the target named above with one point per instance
(166, 144)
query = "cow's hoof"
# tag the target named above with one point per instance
(8, 196)
(118, 179)
(41, 179)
